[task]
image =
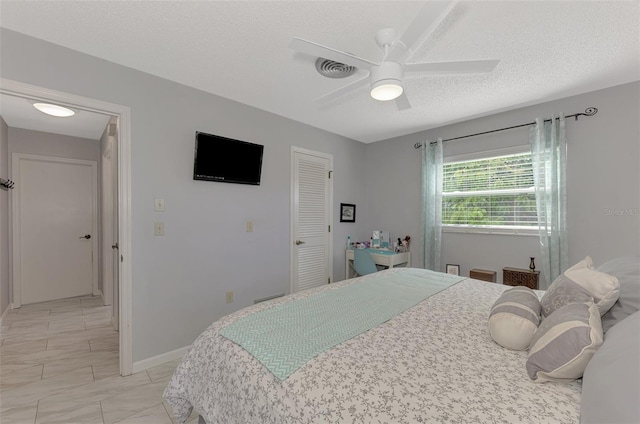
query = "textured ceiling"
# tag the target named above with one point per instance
(239, 50)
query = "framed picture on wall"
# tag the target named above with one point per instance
(453, 269)
(347, 212)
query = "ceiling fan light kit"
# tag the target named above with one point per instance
(386, 81)
(386, 90)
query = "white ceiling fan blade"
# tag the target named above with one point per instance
(402, 102)
(342, 90)
(427, 20)
(318, 50)
(458, 67)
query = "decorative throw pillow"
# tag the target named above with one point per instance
(627, 271)
(514, 318)
(579, 283)
(564, 343)
(611, 382)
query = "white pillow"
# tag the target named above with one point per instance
(514, 318)
(578, 284)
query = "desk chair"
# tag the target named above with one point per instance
(363, 262)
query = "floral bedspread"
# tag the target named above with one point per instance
(434, 363)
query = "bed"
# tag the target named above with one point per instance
(433, 363)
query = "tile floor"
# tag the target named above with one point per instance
(59, 364)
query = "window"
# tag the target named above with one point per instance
(493, 194)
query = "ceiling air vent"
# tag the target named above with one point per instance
(330, 69)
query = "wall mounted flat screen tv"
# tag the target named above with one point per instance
(227, 160)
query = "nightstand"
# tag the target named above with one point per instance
(520, 277)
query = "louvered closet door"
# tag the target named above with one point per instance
(311, 219)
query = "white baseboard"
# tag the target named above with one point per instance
(6, 311)
(159, 359)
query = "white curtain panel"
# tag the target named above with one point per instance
(549, 157)
(432, 203)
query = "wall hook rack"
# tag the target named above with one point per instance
(6, 184)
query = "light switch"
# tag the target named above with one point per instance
(249, 226)
(158, 204)
(158, 228)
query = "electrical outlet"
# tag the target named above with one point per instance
(158, 228)
(158, 204)
(229, 297)
(249, 226)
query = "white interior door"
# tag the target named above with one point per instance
(109, 241)
(55, 228)
(107, 223)
(115, 251)
(311, 206)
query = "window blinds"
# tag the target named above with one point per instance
(490, 192)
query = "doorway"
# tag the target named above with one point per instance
(122, 115)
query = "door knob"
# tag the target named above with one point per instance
(86, 236)
(298, 242)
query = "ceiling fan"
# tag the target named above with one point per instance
(386, 77)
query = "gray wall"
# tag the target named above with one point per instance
(180, 280)
(603, 181)
(4, 219)
(56, 145)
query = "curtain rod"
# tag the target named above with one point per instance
(590, 111)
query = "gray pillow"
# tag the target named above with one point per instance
(577, 284)
(514, 318)
(627, 271)
(611, 382)
(564, 343)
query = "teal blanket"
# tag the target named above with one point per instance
(287, 336)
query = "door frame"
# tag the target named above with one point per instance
(292, 235)
(16, 159)
(123, 114)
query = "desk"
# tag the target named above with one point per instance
(380, 257)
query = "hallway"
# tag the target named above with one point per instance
(59, 364)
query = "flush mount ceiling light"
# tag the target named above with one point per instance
(54, 110)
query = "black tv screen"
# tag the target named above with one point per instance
(227, 160)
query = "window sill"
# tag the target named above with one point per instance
(492, 230)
